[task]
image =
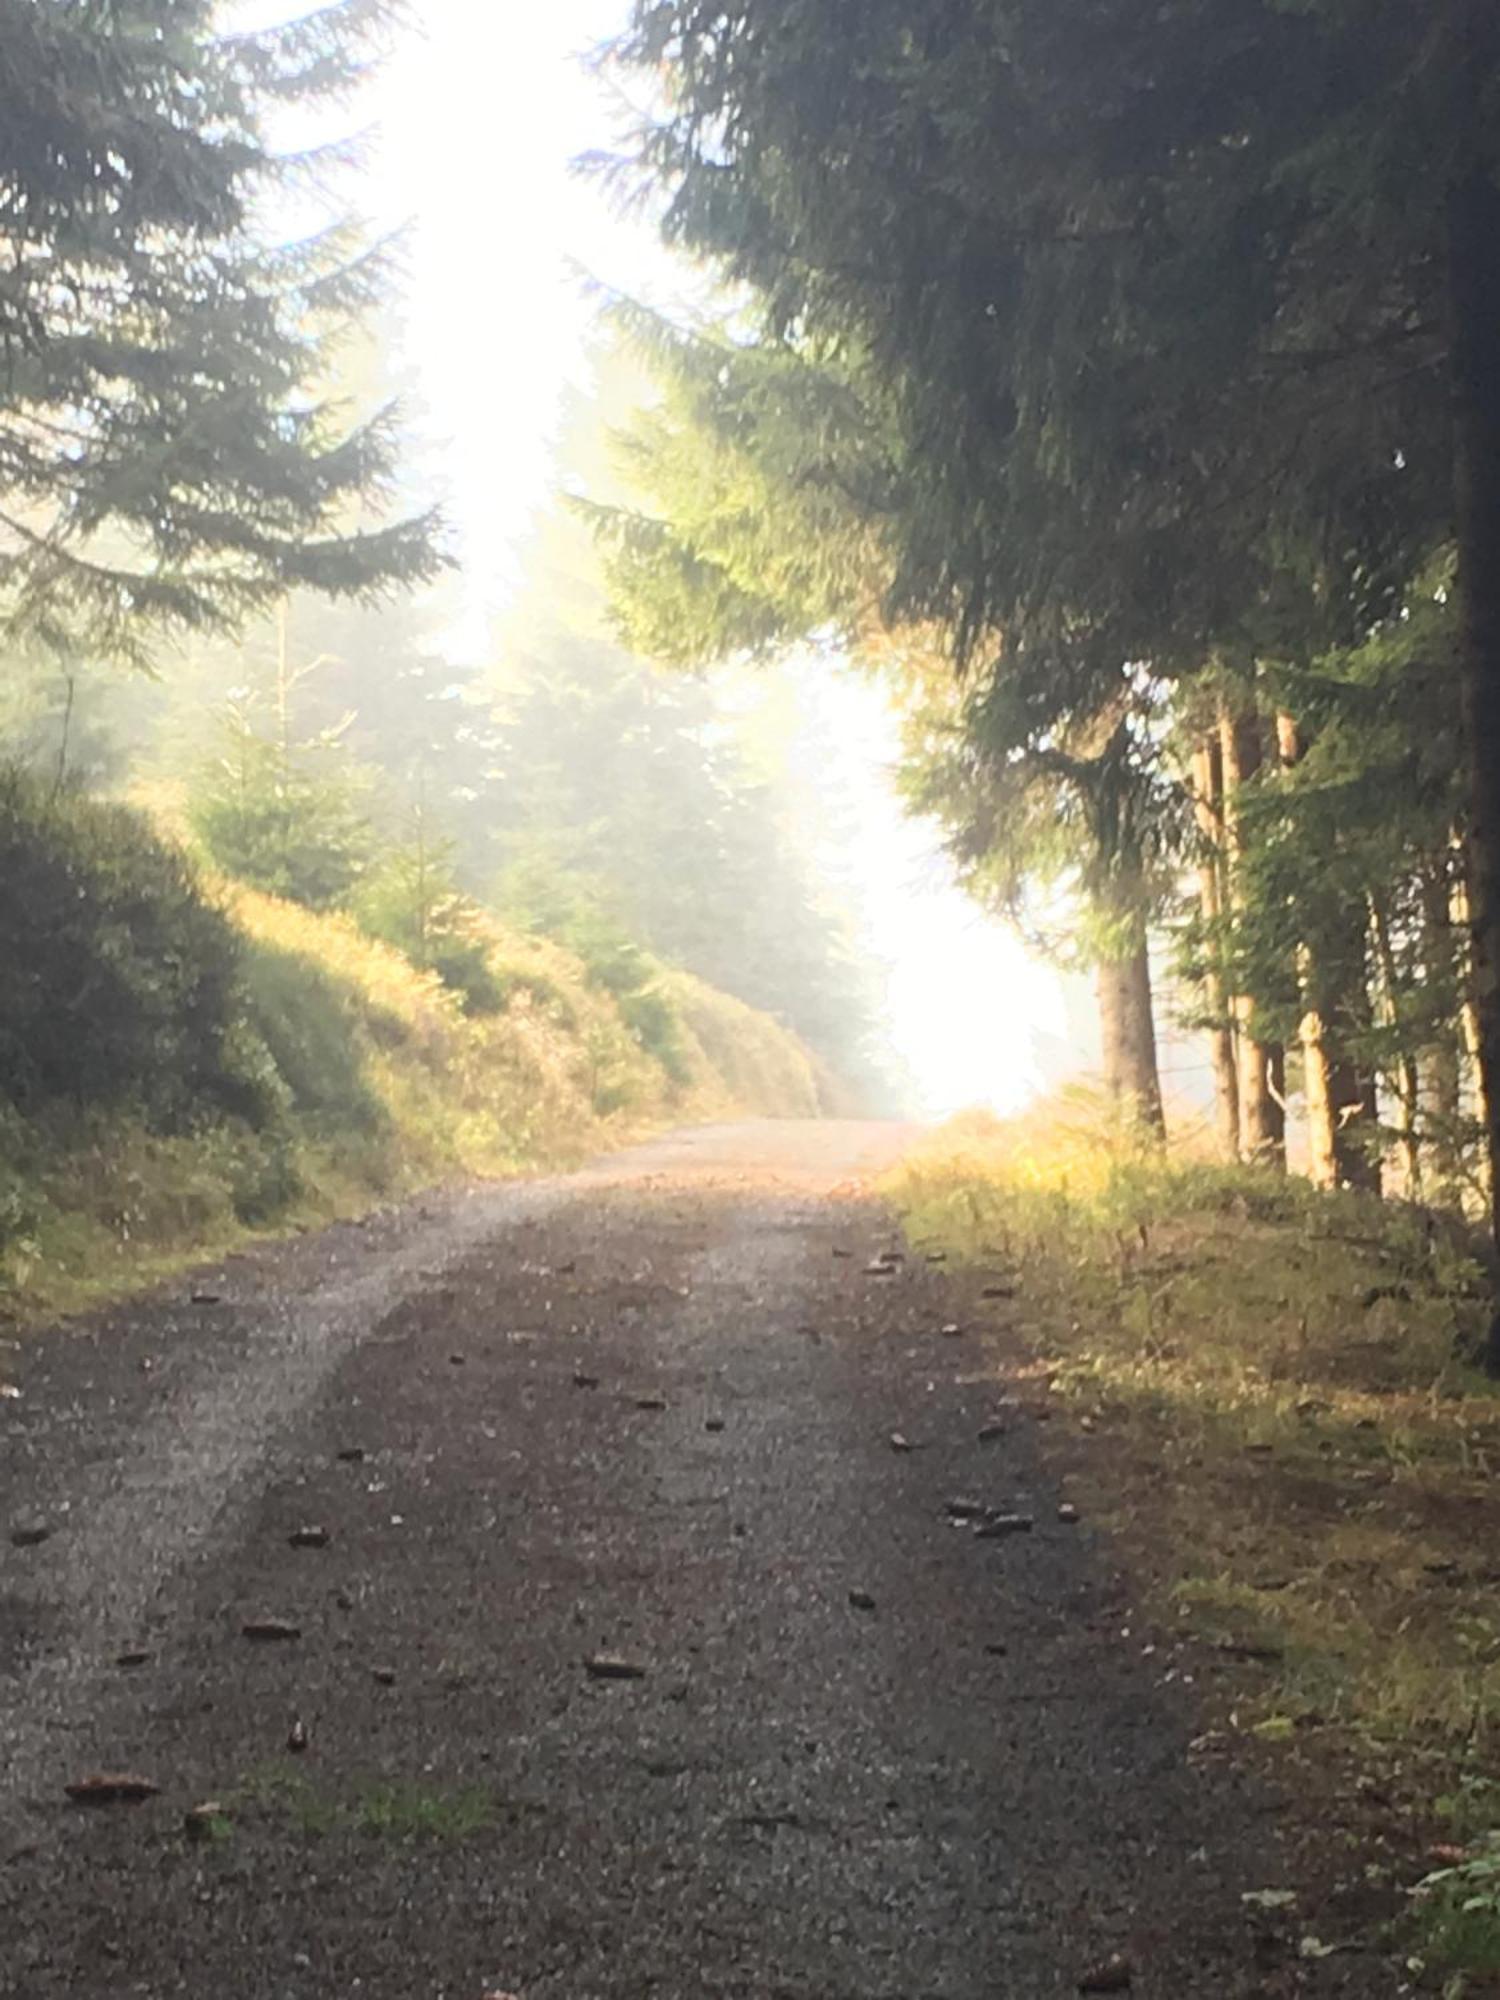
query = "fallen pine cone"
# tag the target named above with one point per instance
(999, 1525)
(270, 1629)
(609, 1667)
(112, 1788)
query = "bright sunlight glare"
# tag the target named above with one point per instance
(491, 108)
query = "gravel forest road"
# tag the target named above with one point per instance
(621, 1653)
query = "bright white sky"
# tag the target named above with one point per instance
(480, 119)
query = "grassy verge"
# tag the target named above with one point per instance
(371, 1082)
(1274, 1412)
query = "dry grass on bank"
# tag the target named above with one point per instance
(1266, 1396)
(1281, 1419)
(381, 1085)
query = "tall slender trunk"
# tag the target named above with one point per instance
(1342, 1106)
(1319, 1090)
(1318, 1095)
(1405, 1072)
(1262, 1110)
(1127, 1025)
(1355, 1085)
(1469, 1020)
(1474, 303)
(1441, 1070)
(1342, 1114)
(1208, 807)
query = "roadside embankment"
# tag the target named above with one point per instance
(1268, 1395)
(185, 1062)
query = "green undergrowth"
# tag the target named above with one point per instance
(1275, 1409)
(186, 1063)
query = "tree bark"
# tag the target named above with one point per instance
(1474, 299)
(1262, 1112)
(1445, 913)
(1406, 1076)
(1474, 339)
(1442, 1060)
(1127, 1025)
(1469, 1018)
(1443, 1079)
(1319, 1091)
(1342, 1113)
(1318, 1094)
(1208, 807)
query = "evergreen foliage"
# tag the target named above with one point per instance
(119, 982)
(170, 455)
(1166, 315)
(411, 898)
(287, 818)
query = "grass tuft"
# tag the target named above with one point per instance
(378, 1810)
(1284, 1426)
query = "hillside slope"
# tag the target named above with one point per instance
(185, 1062)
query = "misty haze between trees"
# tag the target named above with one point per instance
(1125, 403)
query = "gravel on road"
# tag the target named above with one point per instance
(601, 1589)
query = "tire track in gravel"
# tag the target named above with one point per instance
(645, 1413)
(163, 1482)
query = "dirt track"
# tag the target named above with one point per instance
(644, 1413)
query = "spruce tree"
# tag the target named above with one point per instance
(168, 456)
(1190, 316)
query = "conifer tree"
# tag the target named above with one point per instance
(167, 455)
(778, 508)
(1176, 309)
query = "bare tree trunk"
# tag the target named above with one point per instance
(1208, 806)
(1474, 303)
(1319, 1090)
(1341, 1104)
(1262, 1111)
(1322, 1119)
(1405, 1075)
(1442, 1061)
(1441, 1064)
(1127, 1025)
(1469, 1018)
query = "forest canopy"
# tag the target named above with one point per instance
(1139, 366)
